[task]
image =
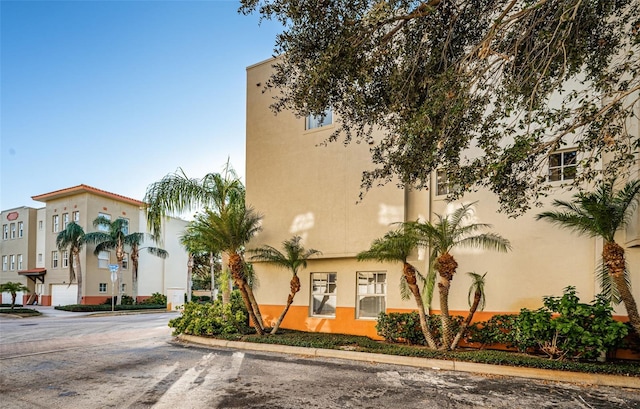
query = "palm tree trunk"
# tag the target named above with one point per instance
(446, 266)
(134, 276)
(474, 307)
(410, 276)
(254, 304)
(120, 258)
(226, 287)
(613, 256)
(294, 284)
(76, 259)
(237, 272)
(190, 276)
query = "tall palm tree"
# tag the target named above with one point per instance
(13, 289)
(73, 238)
(294, 257)
(194, 244)
(135, 241)
(397, 246)
(602, 213)
(230, 230)
(447, 233)
(114, 238)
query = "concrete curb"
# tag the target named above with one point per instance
(436, 364)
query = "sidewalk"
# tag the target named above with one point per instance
(583, 379)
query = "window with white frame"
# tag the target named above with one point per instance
(318, 121)
(562, 166)
(125, 225)
(65, 220)
(76, 217)
(103, 227)
(103, 259)
(102, 288)
(65, 259)
(323, 294)
(12, 262)
(19, 261)
(13, 230)
(40, 224)
(5, 263)
(56, 223)
(39, 257)
(372, 293)
(125, 261)
(20, 229)
(54, 259)
(5, 231)
(442, 182)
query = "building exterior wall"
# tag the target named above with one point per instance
(19, 244)
(303, 187)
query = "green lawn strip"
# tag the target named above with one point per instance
(103, 307)
(492, 357)
(19, 311)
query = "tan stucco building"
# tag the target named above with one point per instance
(305, 188)
(34, 260)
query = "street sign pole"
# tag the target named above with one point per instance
(114, 277)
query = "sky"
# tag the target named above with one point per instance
(118, 94)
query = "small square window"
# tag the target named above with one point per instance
(102, 287)
(562, 166)
(318, 121)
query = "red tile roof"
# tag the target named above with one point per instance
(56, 194)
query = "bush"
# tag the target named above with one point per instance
(209, 319)
(156, 299)
(201, 298)
(563, 328)
(405, 327)
(105, 307)
(126, 300)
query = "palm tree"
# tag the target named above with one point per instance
(447, 233)
(134, 241)
(477, 302)
(602, 213)
(397, 246)
(73, 238)
(114, 238)
(230, 230)
(294, 257)
(13, 289)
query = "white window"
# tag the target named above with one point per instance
(103, 227)
(12, 262)
(65, 259)
(13, 230)
(76, 217)
(323, 294)
(317, 121)
(125, 226)
(39, 257)
(56, 223)
(5, 261)
(40, 224)
(65, 220)
(102, 287)
(442, 182)
(372, 292)
(103, 259)
(125, 261)
(20, 229)
(562, 166)
(54, 259)
(19, 261)
(5, 232)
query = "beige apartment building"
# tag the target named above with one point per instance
(304, 188)
(30, 255)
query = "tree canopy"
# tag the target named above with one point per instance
(484, 89)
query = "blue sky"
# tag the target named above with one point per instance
(117, 94)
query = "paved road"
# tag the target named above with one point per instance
(132, 362)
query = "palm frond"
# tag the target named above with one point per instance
(477, 285)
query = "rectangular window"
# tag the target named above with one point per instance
(19, 261)
(76, 217)
(317, 121)
(125, 261)
(5, 231)
(20, 229)
(103, 259)
(56, 223)
(12, 262)
(13, 230)
(323, 294)
(54, 259)
(39, 257)
(65, 220)
(65, 259)
(123, 286)
(102, 227)
(372, 292)
(102, 287)
(442, 182)
(562, 166)
(40, 224)
(5, 263)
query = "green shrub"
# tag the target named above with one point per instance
(156, 299)
(105, 307)
(126, 300)
(201, 298)
(405, 327)
(209, 319)
(563, 328)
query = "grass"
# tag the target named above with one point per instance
(104, 307)
(365, 344)
(25, 312)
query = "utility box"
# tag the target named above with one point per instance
(175, 298)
